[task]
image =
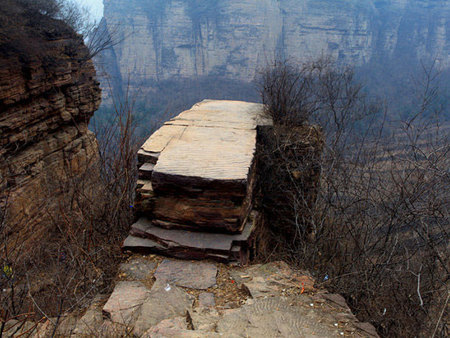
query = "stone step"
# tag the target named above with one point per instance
(190, 244)
(145, 187)
(134, 243)
(212, 242)
(147, 246)
(140, 183)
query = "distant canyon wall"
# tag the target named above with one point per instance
(167, 39)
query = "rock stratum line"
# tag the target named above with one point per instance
(197, 174)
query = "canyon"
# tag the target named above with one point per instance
(176, 39)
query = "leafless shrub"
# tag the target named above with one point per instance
(287, 93)
(44, 14)
(378, 230)
(79, 255)
(294, 94)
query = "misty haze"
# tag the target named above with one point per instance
(206, 168)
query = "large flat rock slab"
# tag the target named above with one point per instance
(148, 237)
(197, 171)
(194, 275)
(125, 302)
(201, 241)
(209, 154)
(164, 302)
(214, 140)
(223, 114)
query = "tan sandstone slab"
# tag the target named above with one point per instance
(211, 124)
(162, 137)
(209, 153)
(212, 140)
(237, 113)
(210, 114)
(194, 275)
(125, 302)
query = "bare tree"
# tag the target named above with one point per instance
(378, 230)
(95, 35)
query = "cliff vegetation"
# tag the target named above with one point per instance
(63, 196)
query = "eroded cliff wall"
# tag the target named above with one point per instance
(163, 39)
(48, 93)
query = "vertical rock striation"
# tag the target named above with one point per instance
(48, 93)
(233, 38)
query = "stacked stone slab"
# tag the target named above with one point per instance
(196, 180)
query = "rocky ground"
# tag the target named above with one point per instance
(159, 297)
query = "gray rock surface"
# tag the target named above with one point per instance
(283, 305)
(165, 301)
(125, 302)
(194, 275)
(206, 299)
(137, 268)
(276, 316)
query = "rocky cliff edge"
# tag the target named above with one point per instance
(48, 93)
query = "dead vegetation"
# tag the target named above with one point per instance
(377, 231)
(73, 255)
(374, 230)
(79, 254)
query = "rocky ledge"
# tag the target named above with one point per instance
(197, 177)
(48, 93)
(156, 297)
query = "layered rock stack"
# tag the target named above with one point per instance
(197, 175)
(48, 93)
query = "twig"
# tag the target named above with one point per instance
(34, 302)
(440, 317)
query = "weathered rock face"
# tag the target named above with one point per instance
(197, 177)
(165, 39)
(48, 93)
